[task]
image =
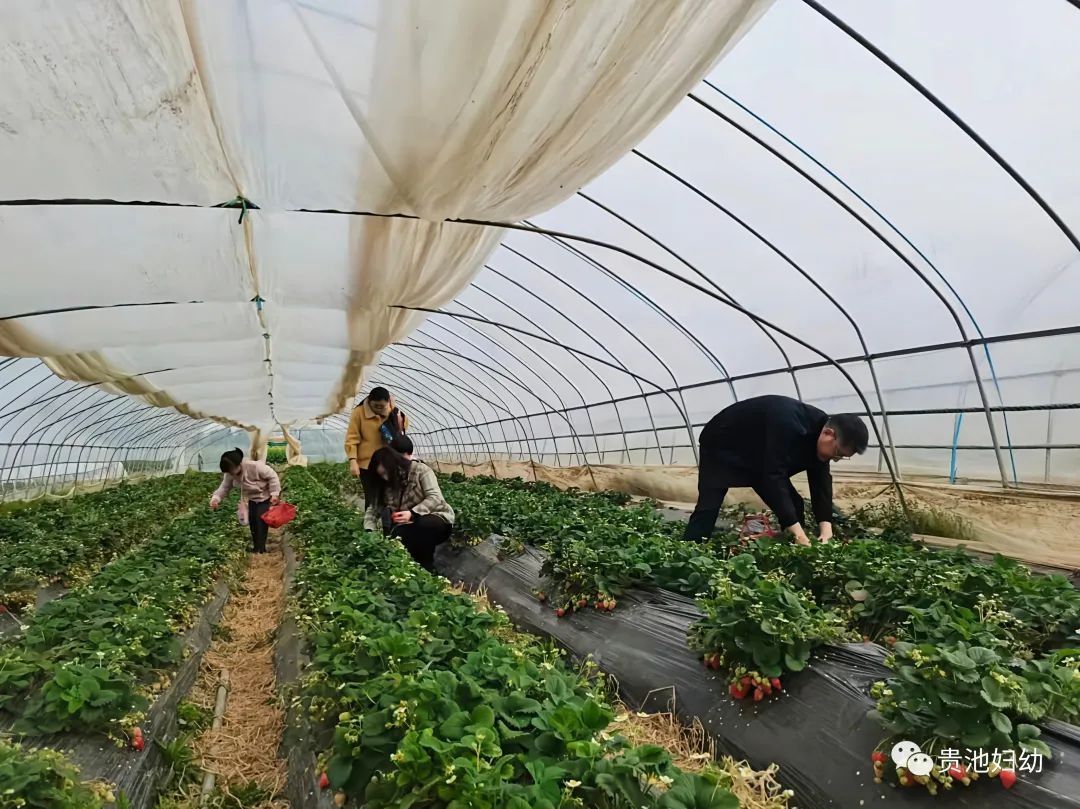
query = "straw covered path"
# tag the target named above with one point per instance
(242, 754)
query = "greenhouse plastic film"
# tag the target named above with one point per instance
(819, 732)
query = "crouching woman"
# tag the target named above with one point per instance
(408, 504)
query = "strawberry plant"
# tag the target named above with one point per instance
(994, 642)
(44, 779)
(66, 542)
(760, 621)
(87, 660)
(430, 700)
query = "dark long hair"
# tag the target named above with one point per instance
(230, 460)
(397, 469)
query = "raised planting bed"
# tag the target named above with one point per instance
(818, 728)
(979, 653)
(299, 747)
(50, 546)
(44, 779)
(106, 665)
(418, 697)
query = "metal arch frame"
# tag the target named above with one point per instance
(408, 394)
(903, 352)
(427, 372)
(547, 362)
(505, 374)
(52, 462)
(664, 315)
(33, 366)
(201, 429)
(703, 290)
(574, 387)
(182, 435)
(68, 399)
(562, 411)
(128, 416)
(453, 430)
(451, 351)
(479, 380)
(417, 355)
(605, 349)
(746, 226)
(406, 373)
(894, 249)
(903, 236)
(160, 433)
(584, 332)
(19, 425)
(427, 369)
(204, 439)
(710, 281)
(543, 339)
(948, 113)
(959, 122)
(679, 406)
(506, 371)
(73, 428)
(38, 427)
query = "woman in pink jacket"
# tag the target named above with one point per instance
(258, 484)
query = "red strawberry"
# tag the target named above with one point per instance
(746, 682)
(324, 781)
(737, 691)
(776, 684)
(759, 695)
(1007, 778)
(3, 609)
(878, 757)
(137, 741)
(560, 612)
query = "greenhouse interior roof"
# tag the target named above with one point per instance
(567, 232)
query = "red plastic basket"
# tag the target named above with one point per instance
(755, 526)
(277, 516)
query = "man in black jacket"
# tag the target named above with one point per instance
(761, 443)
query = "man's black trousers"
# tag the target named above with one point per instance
(714, 480)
